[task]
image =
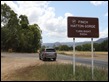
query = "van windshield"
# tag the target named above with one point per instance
(50, 50)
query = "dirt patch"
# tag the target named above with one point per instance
(10, 65)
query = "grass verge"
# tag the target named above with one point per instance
(86, 54)
(58, 72)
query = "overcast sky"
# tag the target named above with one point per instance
(52, 16)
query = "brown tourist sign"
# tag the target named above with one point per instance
(82, 27)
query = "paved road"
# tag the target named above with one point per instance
(87, 61)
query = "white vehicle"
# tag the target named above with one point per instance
(48, 53)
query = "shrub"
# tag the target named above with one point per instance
(10, 50)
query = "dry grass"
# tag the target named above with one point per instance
(86, 54)
(58, 72)
(9, 65)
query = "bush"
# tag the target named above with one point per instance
(10, 50)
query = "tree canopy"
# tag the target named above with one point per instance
(16, 33)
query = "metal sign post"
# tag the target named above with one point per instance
(92, 56)
(74, 56)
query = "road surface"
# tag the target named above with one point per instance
(87, 61)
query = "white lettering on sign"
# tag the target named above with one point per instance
(82, 26)
(78, 30)
(73, 21)
(89, 26)
(75, 25)
(82, 22)
(83, 32)
(86, 31)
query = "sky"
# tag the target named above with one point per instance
(51, 16)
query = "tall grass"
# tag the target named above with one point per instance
(59, 72)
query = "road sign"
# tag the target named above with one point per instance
(82, 27)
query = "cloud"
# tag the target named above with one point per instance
(96, 3)
(104, 33)
(106, 14)
(54, 27)
(39, 12)
(33, 9)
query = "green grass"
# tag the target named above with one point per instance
(58, 72)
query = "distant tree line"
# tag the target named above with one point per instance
(103, 46)
(16, 32)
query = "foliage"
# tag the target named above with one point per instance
(86, 47)
(79, 48)
(16, 33)
(63, 48)
(103, 46)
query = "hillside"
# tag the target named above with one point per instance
(71, 43)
